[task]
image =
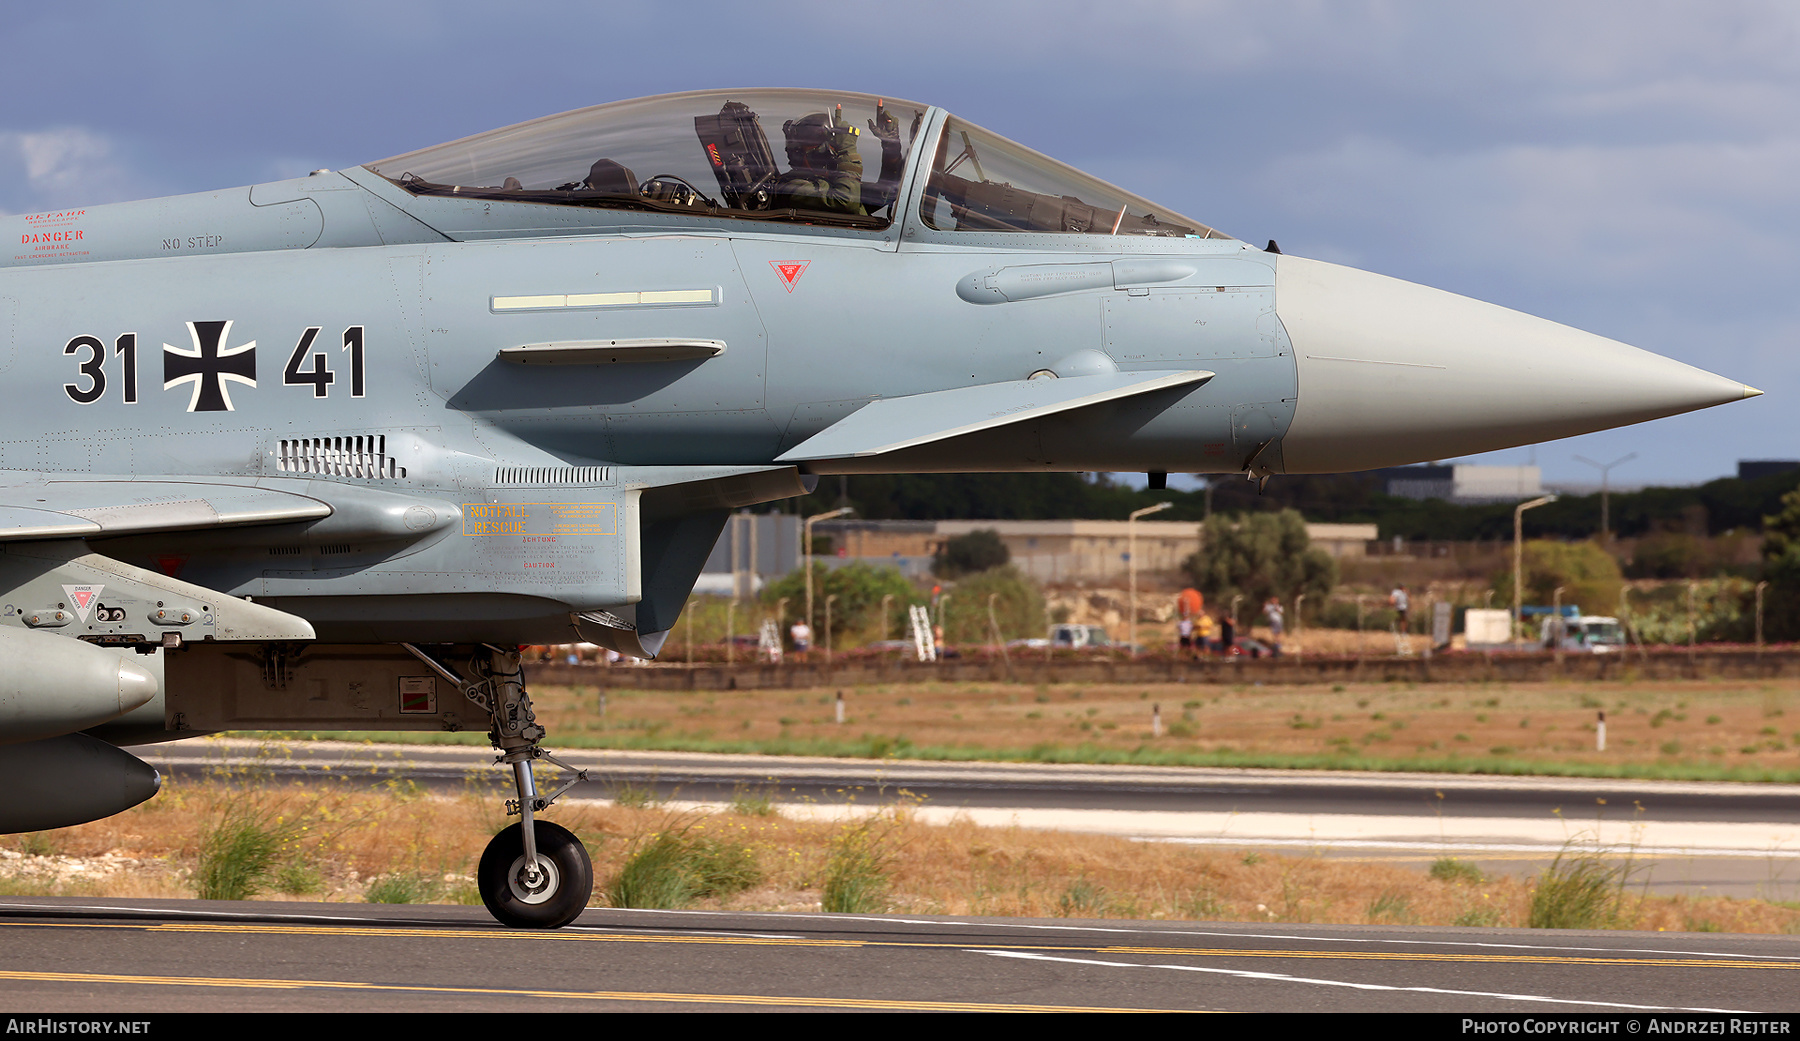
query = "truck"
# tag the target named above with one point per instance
(1577, 632)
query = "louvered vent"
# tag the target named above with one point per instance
(553, 475)
(360, 455)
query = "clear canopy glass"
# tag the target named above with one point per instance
(814, 157)
(810, 156)
(980, 181)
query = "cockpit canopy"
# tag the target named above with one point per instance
(810, 157)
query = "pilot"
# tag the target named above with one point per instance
(826, 173)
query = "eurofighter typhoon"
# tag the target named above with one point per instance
(322, 453)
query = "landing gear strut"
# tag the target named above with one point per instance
(534, 874)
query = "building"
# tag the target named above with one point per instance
(1751, 469)
(1463, 482)
(1079, 551)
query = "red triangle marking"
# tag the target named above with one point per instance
(82, 596)
(789, 271)
(171, 566)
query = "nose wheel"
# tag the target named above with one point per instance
(545, 891)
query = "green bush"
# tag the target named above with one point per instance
(1723, 609)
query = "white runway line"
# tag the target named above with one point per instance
(1282, 978)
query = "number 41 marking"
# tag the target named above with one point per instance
(319, 376)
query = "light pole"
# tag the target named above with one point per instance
(1131, 561)
(1519, 559)
(1605, 490)
(807, 538)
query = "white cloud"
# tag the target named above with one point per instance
(64, 166)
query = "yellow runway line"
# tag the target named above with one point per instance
(878, 1004)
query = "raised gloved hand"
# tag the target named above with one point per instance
(883, 125)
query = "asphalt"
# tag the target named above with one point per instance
(147, 956)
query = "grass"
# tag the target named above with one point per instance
(365, 845)
(753, 801)
(856, 871)
(672, 868)
(636, 796)
(403, 889)
(1579, 890)
(1450, 869)
(238, 854)
(1449, 728)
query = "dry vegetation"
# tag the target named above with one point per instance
(1701, 729)
(345, 843)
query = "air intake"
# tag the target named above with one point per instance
(360, 455)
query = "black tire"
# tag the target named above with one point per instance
(560, 895)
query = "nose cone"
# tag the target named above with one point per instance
(1391, 372)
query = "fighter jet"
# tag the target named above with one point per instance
(322, 453)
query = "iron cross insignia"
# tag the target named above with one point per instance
(209, 365)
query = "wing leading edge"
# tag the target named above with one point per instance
(58, 509)
(891, 424)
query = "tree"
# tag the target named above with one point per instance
(1588, 574)
(858, 587)
(1781, 569)
(1259, 555)
(1018, 607)
(968, 554)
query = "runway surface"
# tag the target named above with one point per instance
(1716, 839)
(67, 955)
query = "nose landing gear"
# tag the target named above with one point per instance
(534, 874)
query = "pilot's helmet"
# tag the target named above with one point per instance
(813, 140)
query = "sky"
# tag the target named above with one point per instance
(1628, 168)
